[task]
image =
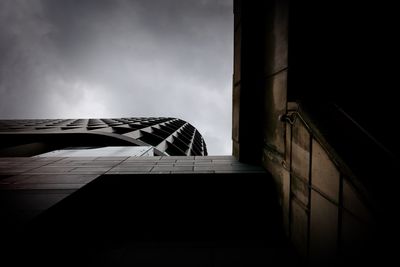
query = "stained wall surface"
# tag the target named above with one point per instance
(328, 212)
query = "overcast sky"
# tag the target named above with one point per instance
(119, 58)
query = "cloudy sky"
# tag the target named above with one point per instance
(119, 58)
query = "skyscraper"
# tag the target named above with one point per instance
(101, 137)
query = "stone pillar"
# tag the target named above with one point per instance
(260, 77)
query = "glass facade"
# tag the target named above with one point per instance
(108, 151)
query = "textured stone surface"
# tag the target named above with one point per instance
(323, 229)
(324, 173)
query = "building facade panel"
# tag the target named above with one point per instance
(166, 136)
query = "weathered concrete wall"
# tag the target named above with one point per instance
(326, 217)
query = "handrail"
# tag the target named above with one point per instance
(369, 191)
(290, 117)
(362, 129)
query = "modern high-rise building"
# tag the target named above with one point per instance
(100, 137)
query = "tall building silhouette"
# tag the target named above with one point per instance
(165, 136)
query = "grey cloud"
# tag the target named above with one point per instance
(119, 58)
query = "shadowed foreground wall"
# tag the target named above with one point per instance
(110, 211)
(330, 174)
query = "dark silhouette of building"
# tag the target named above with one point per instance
(314, 104)
(167, 136)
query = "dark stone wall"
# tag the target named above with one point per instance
(333, 58)
(260, 78)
